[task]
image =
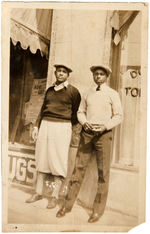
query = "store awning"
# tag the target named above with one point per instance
(32, 28)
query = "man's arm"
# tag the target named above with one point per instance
(81, 114)
(117, 112)
(39, 118)
(75, 105)
(38, 122)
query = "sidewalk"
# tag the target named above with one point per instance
(36, 213)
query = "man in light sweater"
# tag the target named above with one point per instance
(99, 112)
(53, 132)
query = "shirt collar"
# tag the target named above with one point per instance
(60, 86)
(102, 87)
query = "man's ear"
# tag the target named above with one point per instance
(55, 72)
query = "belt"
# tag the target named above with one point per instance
(95, 133)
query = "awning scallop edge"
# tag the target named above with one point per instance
(28, 38)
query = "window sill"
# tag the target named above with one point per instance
(124, 167)
(21, 148)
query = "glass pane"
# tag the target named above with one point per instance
(28, 74)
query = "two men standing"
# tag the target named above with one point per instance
(99, 112)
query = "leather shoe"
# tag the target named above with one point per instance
(94, 217)
(62, 212)
(52, 202)
(35, 197)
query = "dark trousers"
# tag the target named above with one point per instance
(101, 145)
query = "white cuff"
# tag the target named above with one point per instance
(35, 127)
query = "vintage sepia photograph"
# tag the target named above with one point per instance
(74, 106)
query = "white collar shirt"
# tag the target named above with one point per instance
(60, 86)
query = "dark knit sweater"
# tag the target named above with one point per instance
(61, 105)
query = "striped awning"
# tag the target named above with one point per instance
(32, 28)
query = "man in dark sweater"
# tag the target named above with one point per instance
(53, 132)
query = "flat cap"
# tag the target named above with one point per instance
(62, 65)
(103, 67)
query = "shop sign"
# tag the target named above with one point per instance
(36, 100)
(131, 81)
(22, 168)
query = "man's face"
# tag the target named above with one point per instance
(99, 76)
(61, 74)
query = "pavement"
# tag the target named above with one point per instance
(36, 217)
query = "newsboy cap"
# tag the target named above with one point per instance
(62, 65)
(103, 67)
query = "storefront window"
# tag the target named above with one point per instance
(28, 74)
